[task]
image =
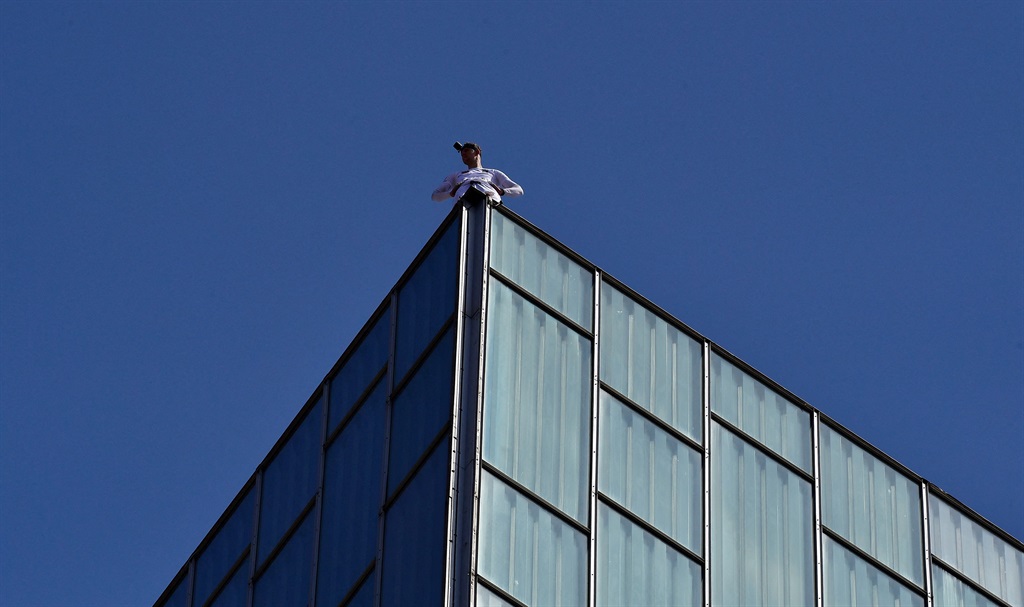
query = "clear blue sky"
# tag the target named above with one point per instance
(202, 202)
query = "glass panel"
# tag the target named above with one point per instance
(761, 527)
(421, 410)
(537, 401)
(290, 481)
(359, 370)
(414, 537)
(757, 410)
(655, 476)
(427, 300)
(236, 592)
(976, 552)
(542, 270)
(527, 551)
(872, 505)
(348, 527)
(486, 598)
(948, 591)
(286, 582)
(178, 598)
(363, 598)
(850, 580)
(654, 364)
(636, 568)
(224, 550)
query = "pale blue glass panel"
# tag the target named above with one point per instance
(948, 591)
(976, 552)
(542, 270)
(761, 527)
(486, 598)
(760, 412)
(871, 505)
(651, 362)
(285, 583)
(414, 537)
(421, 410)
(427, 300)
(236, 592)
(636, 568)
(290, 481)
(851, 581)
(179, 598)
(653, 474)
(352, 479)
(359, 370)
(223, 551)
(537, 401)
(527, 551)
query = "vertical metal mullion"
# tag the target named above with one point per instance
(190, 581)
(325, 396)
(926, 535)
(595, 396)
(390, 378)
(819, 579)
(254, 541)
(706, 401)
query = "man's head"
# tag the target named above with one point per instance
(470, 154)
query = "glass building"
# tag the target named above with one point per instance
(513, 426)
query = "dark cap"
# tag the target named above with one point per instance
(468, 144)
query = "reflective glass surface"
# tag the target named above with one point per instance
(634, 567)
(421, 410)
(352, 487)
(761, 527)
(850, 580)
(527, 551)
(486, 598)
(537, 401)
(427, 300)
(871, 505)
(286, 582)
(363, 598)
(757, 410)
(236, 592)
(290, 481)
(414, 537)
(948, 591)
(651, 473)
(359, 370)
(976, 552)
(651, 362)
(542, 270)
(178, 598)
(224, 550)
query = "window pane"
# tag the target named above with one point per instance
(486, 598)
(761, 527)
(290, 481)
(286, 582)
(948, 591)
(654, 475)
(850, 580)
(537, 401)
(414, 537)
(636, 568)
(236, 592)
(542, 270)
(420, 411)
(363, 598)
(757, 410)
(871, 504)
(348, 527)
(359, 370)
(178, 598)
(976, 552)
(654, 364)
(223, 551)
(527, 551)
(427, 300)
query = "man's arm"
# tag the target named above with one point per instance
(505, 186)
(445, 190)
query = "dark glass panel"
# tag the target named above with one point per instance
(348, 527)
(421, 410)
(178, 598)
(427, 300)
(414, 537)
(236, 592)
(285, 583)
(359, 370)
(290, 481)
(364, 598)
(225, 548)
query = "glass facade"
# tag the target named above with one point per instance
(513, 427)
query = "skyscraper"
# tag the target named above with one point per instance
(513, 426)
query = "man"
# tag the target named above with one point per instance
(476, 182)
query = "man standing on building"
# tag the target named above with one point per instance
(476, 182)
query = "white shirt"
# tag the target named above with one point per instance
(487, 178)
